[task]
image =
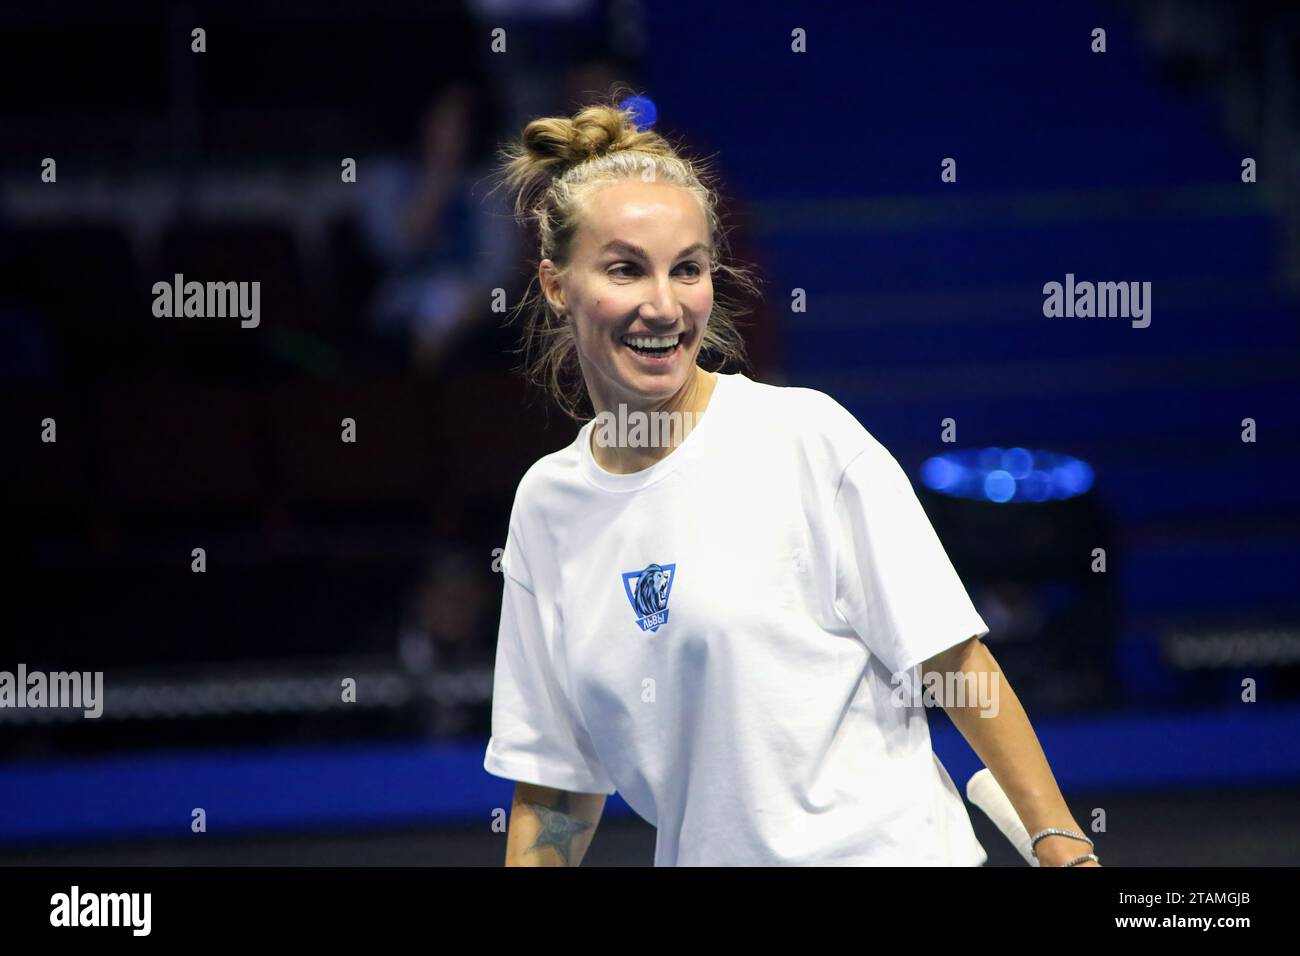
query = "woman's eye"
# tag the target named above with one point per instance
(629, 270)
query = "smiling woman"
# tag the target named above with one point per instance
(708, 625)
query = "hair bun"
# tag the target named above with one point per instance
(594, 132)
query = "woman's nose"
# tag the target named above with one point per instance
(663, 305)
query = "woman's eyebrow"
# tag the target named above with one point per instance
(635, 250)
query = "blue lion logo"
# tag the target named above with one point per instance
(648, 591)
(651, 590)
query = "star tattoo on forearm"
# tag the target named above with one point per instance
(558, 827)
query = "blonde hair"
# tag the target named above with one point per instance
(551, 171)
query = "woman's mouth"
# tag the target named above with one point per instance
(653, 346)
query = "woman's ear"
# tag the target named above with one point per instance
(548, 276)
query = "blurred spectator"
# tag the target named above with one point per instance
(443, 242)
(447, 643)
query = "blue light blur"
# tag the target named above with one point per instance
(1003, 475)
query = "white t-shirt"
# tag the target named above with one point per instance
(740, 696)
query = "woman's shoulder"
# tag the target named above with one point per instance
(810, 417)
(549, 471)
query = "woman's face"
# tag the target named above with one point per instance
(638, 270)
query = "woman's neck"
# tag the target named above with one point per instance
(631, 439)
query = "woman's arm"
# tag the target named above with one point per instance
(1009, 748)
(551, 827)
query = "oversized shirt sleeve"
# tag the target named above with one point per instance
(536, 737)
(894, 583)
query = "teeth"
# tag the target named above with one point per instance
(647, 342)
